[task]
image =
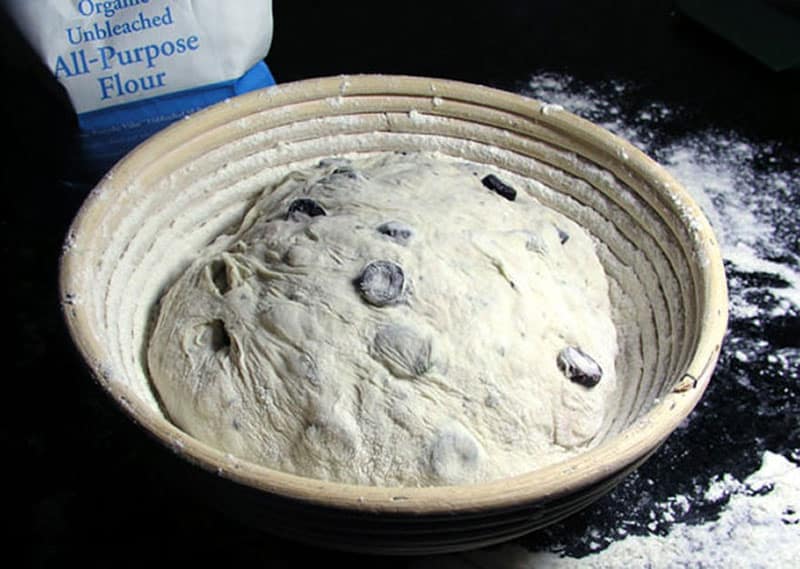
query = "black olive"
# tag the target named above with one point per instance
(396, 231)
(578, 366)
(381, 283)
(499, 187)
(304, 207)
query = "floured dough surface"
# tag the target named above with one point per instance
(395, 320)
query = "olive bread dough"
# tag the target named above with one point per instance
(394, 319)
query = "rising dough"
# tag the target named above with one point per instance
(395, 319)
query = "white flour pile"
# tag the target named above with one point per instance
(751, 194)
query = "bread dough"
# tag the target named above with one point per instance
(392, 319)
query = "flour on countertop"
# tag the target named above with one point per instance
(759, 526)
(721, 492)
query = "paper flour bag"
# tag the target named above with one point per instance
(131, 67)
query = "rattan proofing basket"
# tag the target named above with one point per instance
(144, 221)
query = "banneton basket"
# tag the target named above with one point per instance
(144, 222)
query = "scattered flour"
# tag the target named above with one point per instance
(759, 527)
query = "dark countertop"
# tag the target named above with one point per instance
(91, 487)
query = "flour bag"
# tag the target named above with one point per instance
(131, 67)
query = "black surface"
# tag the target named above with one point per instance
(87, 485)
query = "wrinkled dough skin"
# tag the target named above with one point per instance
(437, 365)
